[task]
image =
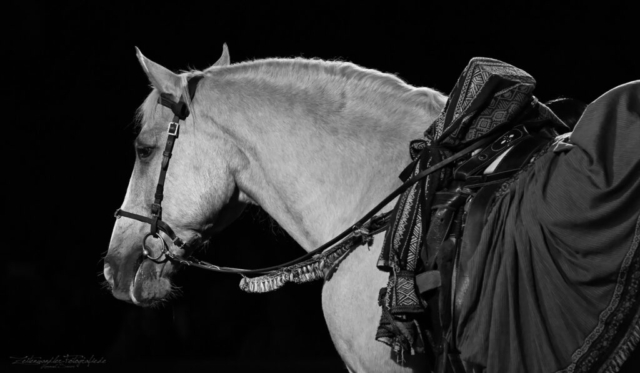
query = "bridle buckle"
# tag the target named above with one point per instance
(173, 128)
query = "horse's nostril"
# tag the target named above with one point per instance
(107, 274)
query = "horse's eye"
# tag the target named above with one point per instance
(144, 152)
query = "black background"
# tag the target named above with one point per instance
(75, 84)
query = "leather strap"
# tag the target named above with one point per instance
(483, 159)
(180, 111)
(355, 227)
(449, 203)
(172, 135)
(192, 85)
(161, 226)
(428, 280)
(520, 153)
(181, 108)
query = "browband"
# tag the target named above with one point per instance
(180, 109)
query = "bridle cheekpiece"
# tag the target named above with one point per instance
(180, 111)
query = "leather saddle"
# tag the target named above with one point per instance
(459, 214)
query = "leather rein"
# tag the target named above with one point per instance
(181, 111)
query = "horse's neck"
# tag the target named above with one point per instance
(317, 174)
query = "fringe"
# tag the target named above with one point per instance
(313, 269)
(624, 350)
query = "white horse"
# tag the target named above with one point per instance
(315, 143)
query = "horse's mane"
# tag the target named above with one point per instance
(303, 71)
(311, 73)
(337, 76)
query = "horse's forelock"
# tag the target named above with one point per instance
(145, 111)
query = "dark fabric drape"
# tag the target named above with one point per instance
(488, 96)
(554, 281)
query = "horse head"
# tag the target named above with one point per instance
(200, 192)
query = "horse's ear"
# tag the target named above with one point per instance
(163, 79)
(224, 60)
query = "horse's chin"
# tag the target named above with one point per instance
(151, 284)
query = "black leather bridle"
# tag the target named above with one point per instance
(181, 111)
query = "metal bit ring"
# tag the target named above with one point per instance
(146, 252)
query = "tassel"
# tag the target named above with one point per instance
(313, 269)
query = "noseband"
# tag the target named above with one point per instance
(181, 111)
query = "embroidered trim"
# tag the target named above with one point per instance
(320, 266)
(598, 349)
